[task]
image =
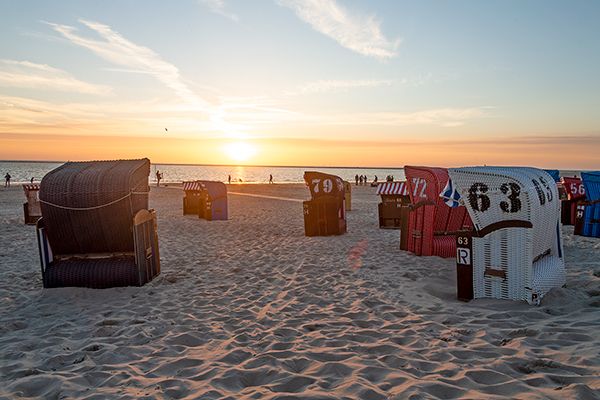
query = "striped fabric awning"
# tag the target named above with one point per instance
(192, 185)
(397, 188)
(32, 186)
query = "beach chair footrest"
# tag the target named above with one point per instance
(93, 273)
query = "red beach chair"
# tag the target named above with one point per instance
(575, 192)
(432, 225)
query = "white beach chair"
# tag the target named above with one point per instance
(515, 250)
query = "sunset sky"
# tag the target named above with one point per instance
(302, 82)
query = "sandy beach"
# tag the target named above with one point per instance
(250, 308)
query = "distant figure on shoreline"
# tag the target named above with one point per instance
(360, 180)
(31, 180)
(270, 179)
(158, 178)
(7, 180)
(356, 179)
(229, 179)
(375, 180)
(365, 180)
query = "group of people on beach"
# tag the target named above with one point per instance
(363, 180)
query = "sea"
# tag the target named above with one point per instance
(23, 171)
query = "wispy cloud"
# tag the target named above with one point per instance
(444, 117)
(26, 74)
(357, 32)
(120, 51)
(323, 86)
(219, 7)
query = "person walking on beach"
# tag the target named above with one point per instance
(7, 180)
(356, 179)
(270, 179)
(365, 179)
(375, 180)
(158, 178)
(229, 179)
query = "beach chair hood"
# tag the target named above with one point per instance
(88, 207)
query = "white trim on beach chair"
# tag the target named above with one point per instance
(516, 249)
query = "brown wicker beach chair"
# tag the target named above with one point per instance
(96, 230)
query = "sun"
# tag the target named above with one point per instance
(240, 151)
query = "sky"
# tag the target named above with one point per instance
(302, 82)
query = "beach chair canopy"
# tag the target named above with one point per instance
(517, 248)
(574, 188)
(588, 214)
(216, 190)
(88, 207)
(591, 183)
(554, 173)
(392, 188)
(321, 184)
(192, 186)
(432, 223)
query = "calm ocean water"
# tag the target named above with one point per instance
(22, 172)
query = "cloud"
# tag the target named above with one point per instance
(219, 7)
(323, 86)
(444, 117)
(359, 33)
(120, 51)
(26, 74)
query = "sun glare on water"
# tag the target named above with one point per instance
(240, 151)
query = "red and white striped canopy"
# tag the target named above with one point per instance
(398, 188)
(193, 185)
(32, 186)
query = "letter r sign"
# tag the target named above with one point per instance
(463, 256)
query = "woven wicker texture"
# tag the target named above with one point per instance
(525, 263)
(93, 273)
(78, 185)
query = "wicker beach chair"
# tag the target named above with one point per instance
(31, 209)
(207, 199)
(587, 219)
(393, 209)
(432, 225)
(96, 230)
(192, 197)
(574, 192)
(515, 249)
(325, 213)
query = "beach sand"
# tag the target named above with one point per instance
(250, 308)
